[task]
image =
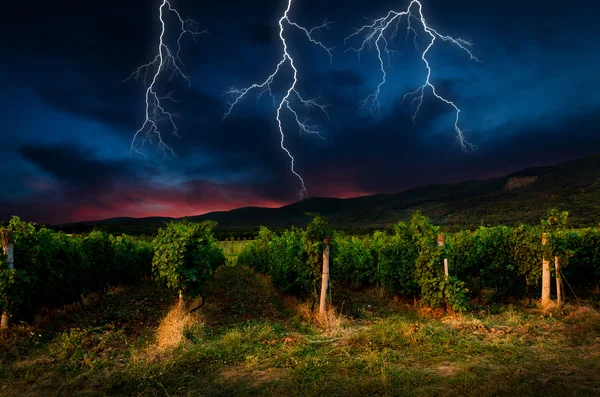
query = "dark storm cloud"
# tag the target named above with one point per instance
(262, 34)
(93, 103)
(236, 144)
(75, 167)
(389, 146)
(402, 157)
(112, 102)
(347, 78)
(454, 88)
(141, 199)
(101, 39)
(530, 103)
(83, 187)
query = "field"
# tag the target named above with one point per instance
(251, 340)
(232, 248)
(98, 314)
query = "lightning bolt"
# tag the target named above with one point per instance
(291, 93)
(168, 62)
(375, 33)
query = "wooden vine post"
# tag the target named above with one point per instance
(180, 300)
(545, 276)
(441, 241)
(324, 279)
(8, 250)
(559, 286)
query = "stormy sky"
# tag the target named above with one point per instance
(68, 116)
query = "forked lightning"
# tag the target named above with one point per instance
(165, 61)
(291, 92)
(375, 33)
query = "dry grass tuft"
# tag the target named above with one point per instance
(170, 332)
(549, 308)
(583, 313)
(436, 313)
(331, 320)
(300, 309)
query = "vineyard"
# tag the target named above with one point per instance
(491, 264)
(54, 269)
(100, 309)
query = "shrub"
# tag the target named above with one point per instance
(256, 253)
(186, 255)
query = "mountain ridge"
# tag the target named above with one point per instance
(572, 186)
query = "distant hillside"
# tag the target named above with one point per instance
(521, 197)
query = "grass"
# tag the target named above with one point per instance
(232, 248)
(249, 340)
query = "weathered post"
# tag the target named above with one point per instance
(8, 251)
(441, 241)
(559, 297)
(180, 300)
(8, 247)
(324, 279)
(545, 276)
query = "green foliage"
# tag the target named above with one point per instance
(396, 256)
(583, 270)
(53, 269)
(100, 255)
(313, 244)
(384, 259)
(353, 260)
(483, 259)
(256, 253)
(289, 267)
(526, 252)
(557, 240)
(131, 256)
(497, 263)
(556, 221)
(293, 259)
(11, 285)
(429, 274)
(186, 255)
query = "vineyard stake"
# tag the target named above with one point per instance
(324, 279)
(441, 241)
(8, 250)
(559, 295)
(545, 276)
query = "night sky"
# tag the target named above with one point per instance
(69, 118)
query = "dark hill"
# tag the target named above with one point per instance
(521, 197)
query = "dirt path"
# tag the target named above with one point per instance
(236, 294)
